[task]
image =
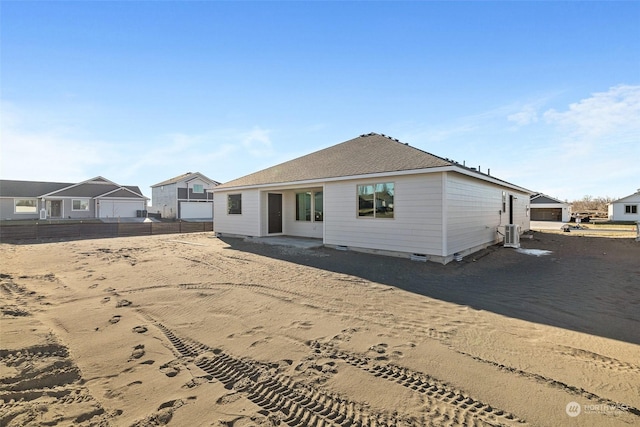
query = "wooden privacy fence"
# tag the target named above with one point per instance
(97, 230)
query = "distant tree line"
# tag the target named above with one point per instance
(591, 204)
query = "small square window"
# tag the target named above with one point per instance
(198, 188)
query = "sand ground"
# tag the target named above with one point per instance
(192, 330)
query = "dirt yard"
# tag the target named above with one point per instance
(192, 330)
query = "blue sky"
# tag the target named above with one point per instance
(545, 94)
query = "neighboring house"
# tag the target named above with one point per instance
(184, 197)
(375, 194)
(625, 209)
(95, 198)
(545, 208)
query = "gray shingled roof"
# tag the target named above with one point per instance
(183, 177)
(12, 188)
(366, 154)
(544, 199)
(86, 190)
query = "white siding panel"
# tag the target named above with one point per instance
(617, 210)
(415, 228)
(245, 224)
(474, 212)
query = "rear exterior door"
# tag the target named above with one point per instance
(275, 213)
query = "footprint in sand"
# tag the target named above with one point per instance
(106, 300)
(123, 303)
(115, 319)
(379, 348)
(170, 369)
(140, 329)
(95, 285)
(138, 352)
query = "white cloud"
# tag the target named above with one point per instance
(524, 117)
(46, 147)
(614, 112)
(257, 142)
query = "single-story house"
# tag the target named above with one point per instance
(626, 208)
(375, 194)
(546, 208)
(186, 196)
(95, 198)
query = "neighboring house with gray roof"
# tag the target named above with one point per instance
(186, 196)
(546, 208)
(95, 198)
(626, 208)
(373, 193)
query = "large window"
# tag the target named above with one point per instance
(234, 204)
(631, 209)
(303, 206)
(376, 200)
(26, 206)
(198, 188)
(80, 205)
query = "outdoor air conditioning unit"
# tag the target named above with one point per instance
(511, 236)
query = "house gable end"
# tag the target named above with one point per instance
(543, 199)
(186, 177)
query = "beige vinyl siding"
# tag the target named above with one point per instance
(245, 224)
(415, 228)
(474, 212)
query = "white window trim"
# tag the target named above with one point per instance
(25, 213)
(375, 217)
(87, 201)
(229, 205)
(193, 189)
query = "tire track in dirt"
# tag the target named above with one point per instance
(441, 398)
(597, 359)
(40, 384)
(574, 390)
(300, 404)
